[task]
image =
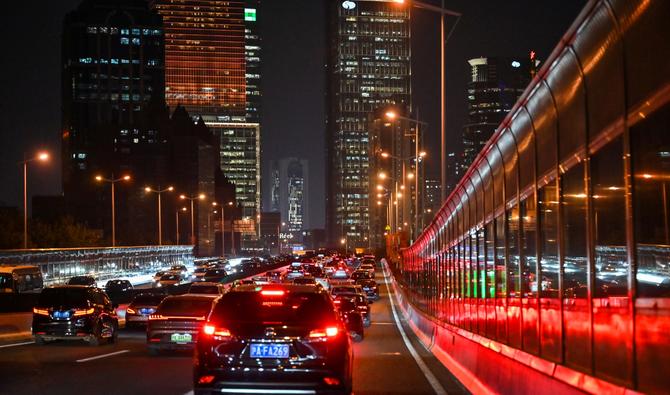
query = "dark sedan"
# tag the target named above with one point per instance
(177, 322)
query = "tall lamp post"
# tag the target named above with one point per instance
(177, 221)
(223, 227)
(113, 182)
(192, 199)
(159, 192)
(417, 157)
(443, 96)
(41, 157)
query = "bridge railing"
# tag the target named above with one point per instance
(58, 265)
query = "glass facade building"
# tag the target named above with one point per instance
(556, 241)
(112, 83)
(212, 67)
(368, 68)
(494, 86)
(290, 193)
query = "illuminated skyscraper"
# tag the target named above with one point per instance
(212, 63)
(368, 68)
(290, 192)
(495, 85)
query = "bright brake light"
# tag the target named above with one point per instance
(273, 292)
(330, 331)
(130, 311)
(211, 330)
(40, 311)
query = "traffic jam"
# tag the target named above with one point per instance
(289, 328)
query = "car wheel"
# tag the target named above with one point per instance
(367, 323)
(39, 340)
(115, 334)
(93, 339)
(357, 337)
(153, 351)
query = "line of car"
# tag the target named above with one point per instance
(290, 330)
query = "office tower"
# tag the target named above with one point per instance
(495, 85)
(112, 96)
(368, 68)
(212, 63)
(291, 176)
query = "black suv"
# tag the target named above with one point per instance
(74, 312)
(277, 337)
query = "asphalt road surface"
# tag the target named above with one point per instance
(384, 364)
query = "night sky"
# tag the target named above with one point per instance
(293, 73)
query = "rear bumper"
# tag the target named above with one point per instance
(267, 382)
(63, 330)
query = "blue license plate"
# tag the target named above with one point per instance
(61, 315)
(269, 350)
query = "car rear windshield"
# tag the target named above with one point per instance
(80, 281)
(360, 275)
(185, 307)
(215, 272)
(63, 297)
(294, 308)
(151, 299)
(170, 277)
(204, 289)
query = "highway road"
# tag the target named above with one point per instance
(386, 362)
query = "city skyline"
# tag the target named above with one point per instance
(30, 132)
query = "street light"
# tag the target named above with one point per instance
(159, 192)
(192, 198)
(177, 221)
(41, 157)
(223, 234)
(113, 182)
(443, 94)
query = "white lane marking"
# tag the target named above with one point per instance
(16, 344)
(189, 393)
(432, 380)
(111, 354)
(390, 353)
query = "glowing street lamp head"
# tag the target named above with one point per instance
(98, 178)
(215, 204)
(184, 209)
(182, 197)
(410, 175)
(230, 203)
(379, 203)
(398, 195)
(380, 188)
(147, 189)
(385, 154)
(126, 178)
(422, 154)
(201, 196)
(170, 189)
(390, 114)
(382, 176)
(343, 240)
(43, 156)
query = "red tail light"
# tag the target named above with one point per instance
(205, 379)
(211, 330)
(80, 312)
(330, 331)
(40, 311)
(130, 311)
(331, 381)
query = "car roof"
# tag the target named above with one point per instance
(193, 297)
(60, 286)
(288, 287)
(8, 269)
